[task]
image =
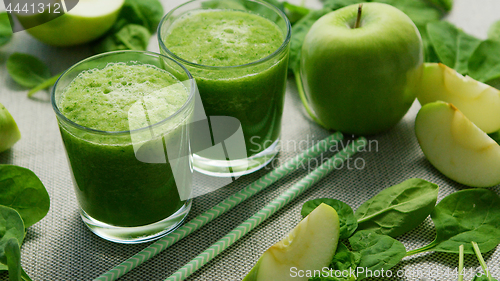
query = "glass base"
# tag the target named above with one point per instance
(235, 168)
(138, 234)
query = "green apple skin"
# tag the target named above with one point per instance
(311, 245)
(478, 101)
(457, 147)
(358, 80)
(87, 21)
(9, 132)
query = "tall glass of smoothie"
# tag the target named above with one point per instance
(124, 120)
(238, 54)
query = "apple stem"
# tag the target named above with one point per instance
(358, 20)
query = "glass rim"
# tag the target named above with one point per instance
(285, 43)
(96, 131)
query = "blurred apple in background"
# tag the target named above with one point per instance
(358, 78)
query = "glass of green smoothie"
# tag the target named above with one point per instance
(124, 120)
(238, 53)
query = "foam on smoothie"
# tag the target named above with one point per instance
(223, 37)
(101, 99)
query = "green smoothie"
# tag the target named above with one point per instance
(223, 47)
(112, 185)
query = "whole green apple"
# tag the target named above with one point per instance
(358, 75)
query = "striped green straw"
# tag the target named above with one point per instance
(226, 205)
(293, 192)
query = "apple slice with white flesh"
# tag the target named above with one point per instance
(478, 101)
(456, 147)
(311, 245)
(87, 21)
(9, 132)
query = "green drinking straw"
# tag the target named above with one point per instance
(293, 192)
(226, 205)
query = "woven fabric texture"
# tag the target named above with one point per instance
(60, 247)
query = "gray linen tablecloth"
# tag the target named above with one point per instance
(60, 247)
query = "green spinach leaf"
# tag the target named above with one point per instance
(344, 259)
(21, 190)
(13, 257)
(294, 12)
(494, 31)
(337, 4)
(27, 70)
(419, 11)
(12, 227)
(399, 208)
(348, 222)
(484, 64)
(445, 5)
(429, 52)
(453, 46)
(147, 13)
(130, 37)
(377, 251)
(487, 275)
(299, 32)
(465, 216)
(5, 29)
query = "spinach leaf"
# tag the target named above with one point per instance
(465, 216)
(12, 228)
(294, 12)
(5, 29)
(487, 274)
(337, 4)
(484, 64)
(399, 208)
(429, 52)
(445, 5)
(344, 259)
(299, 32)
(483, 278)
(21, 190)
(419, 11)
(494, 31)
(495, 136)
(348, 222)
(130, 37)
(377, 251)
(13, 257)
(27, 70)
(147, 13)
(453, 46)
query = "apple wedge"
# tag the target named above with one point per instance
(9, 132)
(478, 101)
(87, 21)
(457, 147)
(311, 245)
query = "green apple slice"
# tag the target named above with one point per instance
(478, 101)
(87, 21)
(9, 132)
(457, 147)
(311, 245)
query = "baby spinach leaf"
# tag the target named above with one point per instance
(13, 257)
(294, 12)
(483, 278)
(494, 31)
(419, 11)
(20, 189)
(445, 5)
(337, 4)
(147, 13)
(377, 251)
(5, 29)
(130, 37)
(399, 208)
(348, 222)
(484, 64)
(453, 46)
(27, 70)
(12, 227)
(299, 32)
(465, 216)
(429, 52)
(344, 259)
